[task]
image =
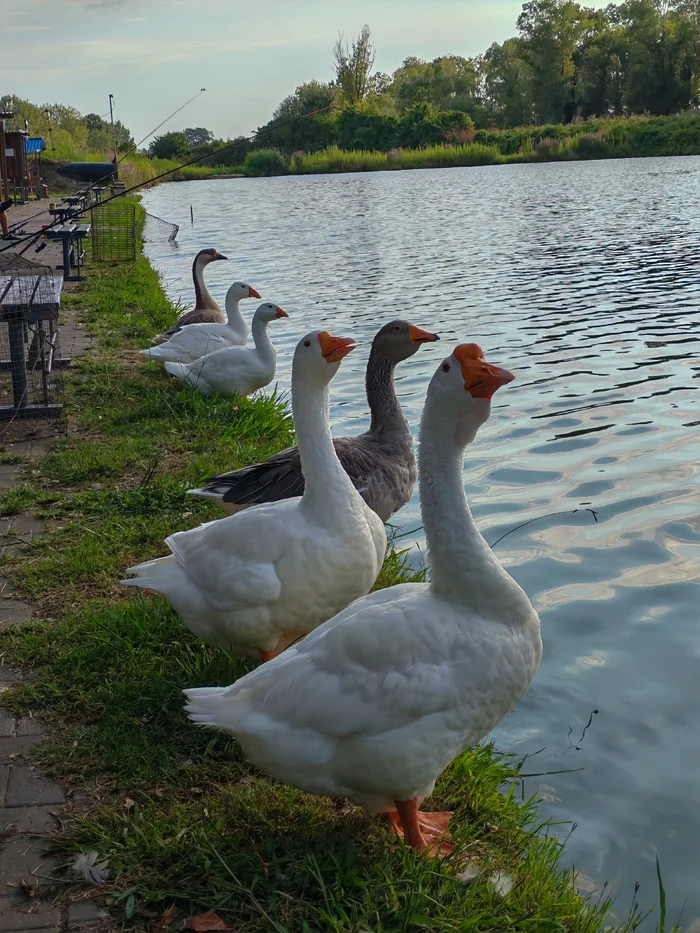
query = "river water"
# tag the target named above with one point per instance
(584, 279)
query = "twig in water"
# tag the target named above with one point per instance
(585, 728)
(540, 517)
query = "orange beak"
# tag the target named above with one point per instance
(418, 335)
(253, 292)
(481, 379)
(280, 312)
(335, 348)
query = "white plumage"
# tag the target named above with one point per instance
(254, 582)
(195, 340)
(234, 370)
(377, 701)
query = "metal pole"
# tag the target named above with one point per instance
(48, 120)
(111, 118)
(4, 181)
(15, 325)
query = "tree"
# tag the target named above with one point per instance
(601, 68)
(448, 83)
(100, 134)
(170, 146)
(198, 136)
(94, 121)
(353, 66)
(551, 30)
(663, 63)
(507, 89)
(314, 95)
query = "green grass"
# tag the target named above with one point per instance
(338, 160)
(182, 818)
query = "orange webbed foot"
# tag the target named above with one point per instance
(423, 832)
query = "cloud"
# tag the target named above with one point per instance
(26, 28)
(135, 19)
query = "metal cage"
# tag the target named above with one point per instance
(114, 231)
(31, 383)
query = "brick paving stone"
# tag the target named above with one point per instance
(8, 476)
(30, 803)
(24, 858)
(25, 526)
(27, 725)
(7, 723)
(12, 747)
(27, 787)
(8, 676)
(14, 612)
(85, 912)
(41, 930)
(29, 819)
(24, 914)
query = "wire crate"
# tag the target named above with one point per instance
(31, 382)
(114, 231)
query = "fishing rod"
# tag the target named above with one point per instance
(115, 161)
(149, 181)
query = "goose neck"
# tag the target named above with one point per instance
(261, 339)
(387, 415)
(327, 485)
(203, 297)
(234, 318)
(462, 565)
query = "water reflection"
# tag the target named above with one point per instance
(584, 280)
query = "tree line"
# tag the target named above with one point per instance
(567, 63)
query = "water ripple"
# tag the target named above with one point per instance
(583, 279)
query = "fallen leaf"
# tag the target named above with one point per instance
(203, 923)
(28, 889)
(165, 920)
(129, 804)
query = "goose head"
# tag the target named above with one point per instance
(268, 311)
(318, 356)
(240, 290)
(462, 388)
(398, 340)
(205, 256)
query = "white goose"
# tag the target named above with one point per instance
(256, 581)
(235, 370)
(195, 340)
(376, 702)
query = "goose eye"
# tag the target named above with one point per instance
(397, 327)
(446, 367)
(307, 343)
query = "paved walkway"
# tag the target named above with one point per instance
(32, 806)
(30, 218)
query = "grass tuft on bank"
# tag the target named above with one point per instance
(182, 818)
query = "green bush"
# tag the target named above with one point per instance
(263, 163)
(592, 146)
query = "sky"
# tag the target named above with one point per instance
(154, 55)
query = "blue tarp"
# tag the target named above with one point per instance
(34, 144)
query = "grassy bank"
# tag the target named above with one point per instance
(181, 817)
(595, 139)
